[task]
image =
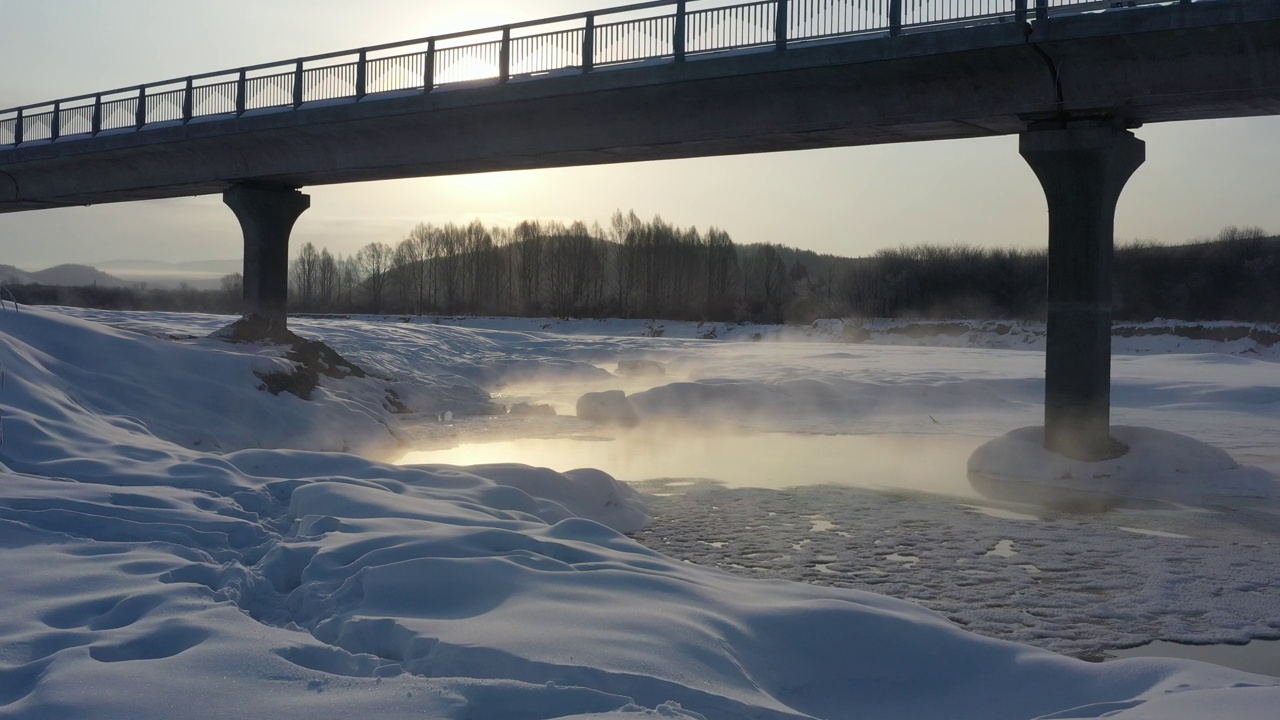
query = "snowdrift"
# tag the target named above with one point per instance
(1160, 466)
(63, 373)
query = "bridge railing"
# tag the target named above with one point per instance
(664, 30)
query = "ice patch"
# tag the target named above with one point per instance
(1003, 549)
(1155, 533)
(1078, 584)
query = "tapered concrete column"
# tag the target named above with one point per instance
(266, 217)
(1083, 168)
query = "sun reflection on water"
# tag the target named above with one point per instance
(922, 463)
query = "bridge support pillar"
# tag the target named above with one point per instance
(266, 216)
(1082, 167)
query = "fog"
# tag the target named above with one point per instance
(737, 458)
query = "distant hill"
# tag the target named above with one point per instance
(197, 274)
(10, 275)
(211, 267)
(76, 275)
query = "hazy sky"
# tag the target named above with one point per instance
(1198, 176)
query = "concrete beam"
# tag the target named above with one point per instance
(266, 216)
(1083, 167)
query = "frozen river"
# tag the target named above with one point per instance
(845, 466)
(895, 514)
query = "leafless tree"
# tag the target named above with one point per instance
(326, 282)
(374, 262)
(767, 286)
(305, 274)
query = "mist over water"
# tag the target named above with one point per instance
(738, 459)
(848, 465)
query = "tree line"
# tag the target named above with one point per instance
(633, 268)
(653, 269)
(1233, 276)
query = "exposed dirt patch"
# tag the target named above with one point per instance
(393, 404)
(1227, 333)
(257, 329)
(311, 359)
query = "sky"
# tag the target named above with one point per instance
(1198, 178)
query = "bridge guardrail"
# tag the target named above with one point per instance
(664, 30)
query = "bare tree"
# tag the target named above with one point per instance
(448, 265)
(574, 264)
(625, 233)
(528, 238)
(233, 290)
(326, 281)
(413, 260)
(722, 275)
(306, 274)
(767, 286)
(374, 262)
(477, 277)
(348, 281)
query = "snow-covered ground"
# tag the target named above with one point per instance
(177, 540)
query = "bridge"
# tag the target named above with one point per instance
(664, 80)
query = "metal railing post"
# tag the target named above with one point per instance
(1042, 10)
(55, 124)
(188, 102)
(362, 75)
(895, 18)
(297, 85)
(681, 16)
(780, 25)
(1020, 11)
(589, 45)
(17, 129)
(242, 92)
(429, 68)
(95, 124)
(504, 56)
(141, 115)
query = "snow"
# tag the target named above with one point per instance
(177, 540)
(1260, 340)
(1159, 465)
(56, 371)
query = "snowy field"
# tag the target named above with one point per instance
(178, 540)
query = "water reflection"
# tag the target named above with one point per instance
(1259, 656)
(921, 463)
